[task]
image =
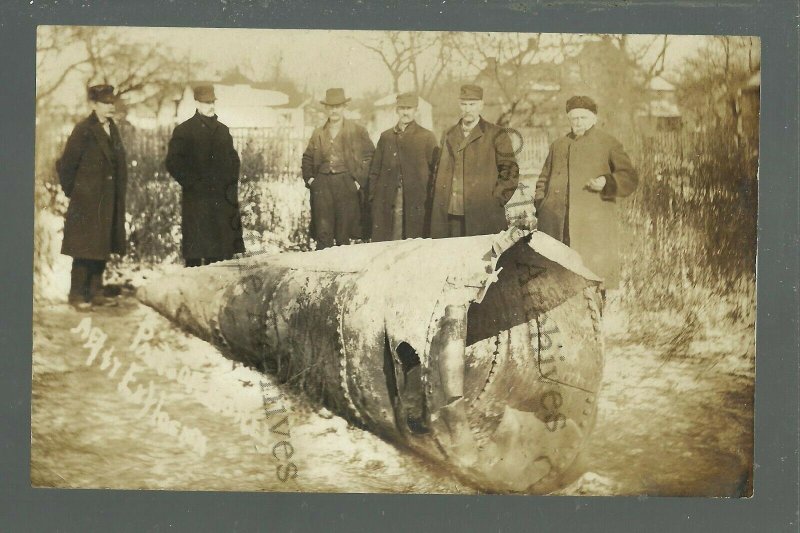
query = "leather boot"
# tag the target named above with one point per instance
(96, 291)
(79, 286)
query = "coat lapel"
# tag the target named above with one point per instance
(103, 140)
(456, 138)
(475, 134)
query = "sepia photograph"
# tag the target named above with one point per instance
(418, 262)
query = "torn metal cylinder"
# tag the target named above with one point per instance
(366, 330)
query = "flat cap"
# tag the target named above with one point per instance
(204, 93)
(101, 93)
(581, 102)
(471, 92)
(407, 100)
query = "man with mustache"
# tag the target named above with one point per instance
(400, 175)
(335, 168)
(476, 175)
(202, 159)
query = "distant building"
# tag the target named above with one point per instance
(241, 103)
(660, 110)
(596, 68)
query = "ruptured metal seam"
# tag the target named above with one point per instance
(490, 377)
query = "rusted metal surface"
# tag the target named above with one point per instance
(363, 329)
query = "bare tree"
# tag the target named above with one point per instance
(710, 80)
(507, 61)
(144, 72)
(649, 55)
(419, 57)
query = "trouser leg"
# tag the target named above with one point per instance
(322, 211)
(79, 281)
(347, 225)
(96, 270)
(193, 262)
(457, 226)
(397, 215)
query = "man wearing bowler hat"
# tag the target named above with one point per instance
(335, 168)
(202, 159)
(93, 174)
(400, 175)
(585, 172)
(476, 175)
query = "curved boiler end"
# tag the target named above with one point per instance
(532, 358)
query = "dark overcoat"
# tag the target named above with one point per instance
(584, 220)
(202, 159)
(358, 151)
(491, 175)
(410, 156)
(93, 174)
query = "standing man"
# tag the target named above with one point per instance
(476, 176)
(202, 159)
(335, 168)
(93, 174)
(585, 172)
(400, 175)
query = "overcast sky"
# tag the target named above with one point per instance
(315, 59)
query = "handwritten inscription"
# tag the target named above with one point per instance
(150, 398)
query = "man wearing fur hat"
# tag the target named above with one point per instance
(335, 168)
(93, 174)
(202, 159)
(585, 172)
(400, 175)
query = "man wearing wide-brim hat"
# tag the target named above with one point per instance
(476, 175)
(401, 174)
(585, 172)
(202, 159)
(93, 173)
(335, 168)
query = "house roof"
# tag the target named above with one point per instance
(660, 84)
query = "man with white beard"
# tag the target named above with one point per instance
(585, 172)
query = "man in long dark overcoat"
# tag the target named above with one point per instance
(400, 176)
(335, 168)
(585, 172)
(93, 174)
(476, 175)
(202, 159)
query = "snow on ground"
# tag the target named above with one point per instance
(677, 424)
(675, 413)
(205, 426)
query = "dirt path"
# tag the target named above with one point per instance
(667, 425)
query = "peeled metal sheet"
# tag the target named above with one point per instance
(358, 327)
